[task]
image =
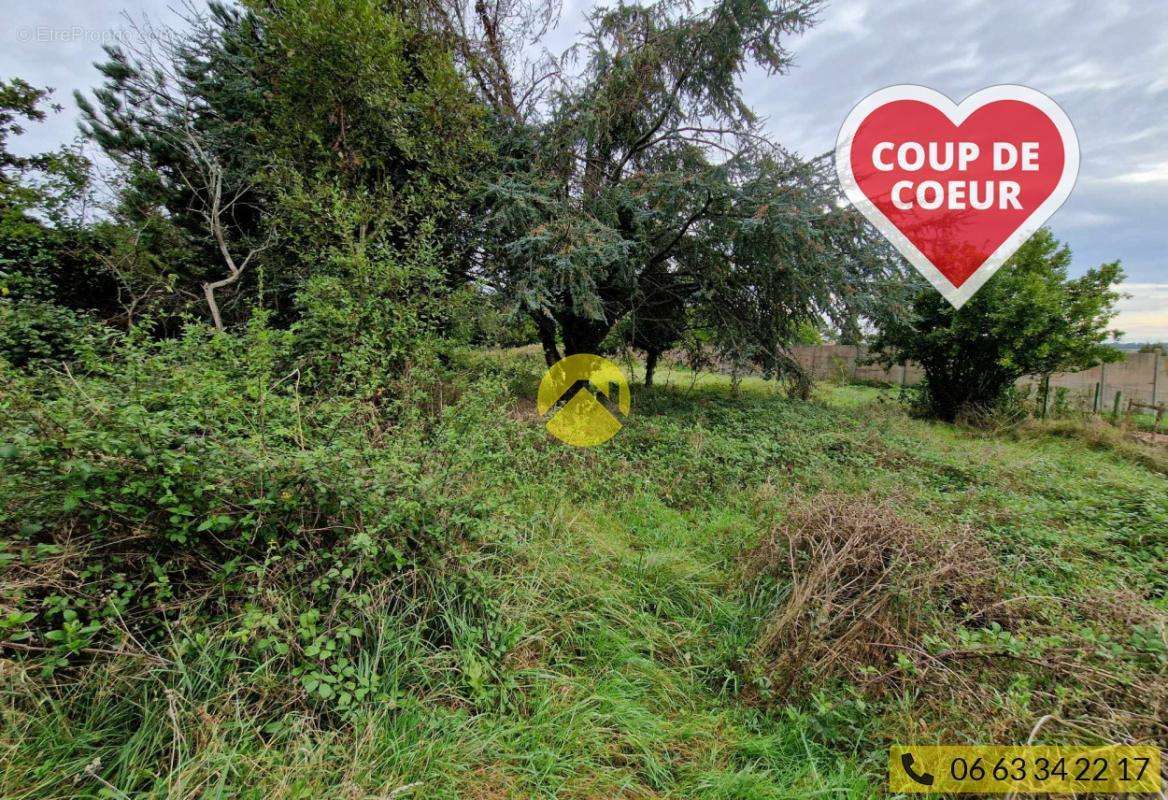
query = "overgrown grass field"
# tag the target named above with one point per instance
(739, 596)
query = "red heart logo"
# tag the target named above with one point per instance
(957, 188)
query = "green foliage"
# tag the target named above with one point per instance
(584, 631)
(486, 320)
(18, 100)
(49, 258)
(35, 332)
(187, 478)
(368, 313)
(331, 128)
(174, 114)
(48, 250)
(1030, 318)
(231, 560)
(642, 190)
(63, 263)
(371, 106)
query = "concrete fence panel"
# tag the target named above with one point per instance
(1142, 377)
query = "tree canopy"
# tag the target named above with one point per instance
(624, 181)
(641, 188)
(291, 136)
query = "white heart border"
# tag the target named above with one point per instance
(957, 113)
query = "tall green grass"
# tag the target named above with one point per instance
(610, 663)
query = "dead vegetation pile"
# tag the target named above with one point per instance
(927, 623)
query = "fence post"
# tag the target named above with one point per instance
(1155, 376)
(1102, 385)
(1045, 395)
(1115, 406)
(1098, 398)
(903, 374)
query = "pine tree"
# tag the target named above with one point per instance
(641, 187)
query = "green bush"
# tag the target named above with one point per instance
(371, 315)
(486, 320)
(1029, 319)
(36, 331)
(193, 482)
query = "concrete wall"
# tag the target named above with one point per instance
(1140, 376)
(845, 362)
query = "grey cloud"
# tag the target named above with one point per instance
(1105, 63)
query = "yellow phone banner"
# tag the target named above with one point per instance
(993, 769)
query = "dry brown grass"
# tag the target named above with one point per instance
(861, 579)
(895, 608)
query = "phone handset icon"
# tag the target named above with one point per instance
(924, 779)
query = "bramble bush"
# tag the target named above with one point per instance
(193, 483)
(36, 331)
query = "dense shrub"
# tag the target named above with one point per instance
(37, 331)
(1030, 318)
(359, 331)
(193, 481)
(336, 130)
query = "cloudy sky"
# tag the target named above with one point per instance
(1106, 64)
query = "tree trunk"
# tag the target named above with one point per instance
(547, 336)
(582, 335)
(651, 357)
(209, 293)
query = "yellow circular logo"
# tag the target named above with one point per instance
(585, 384)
